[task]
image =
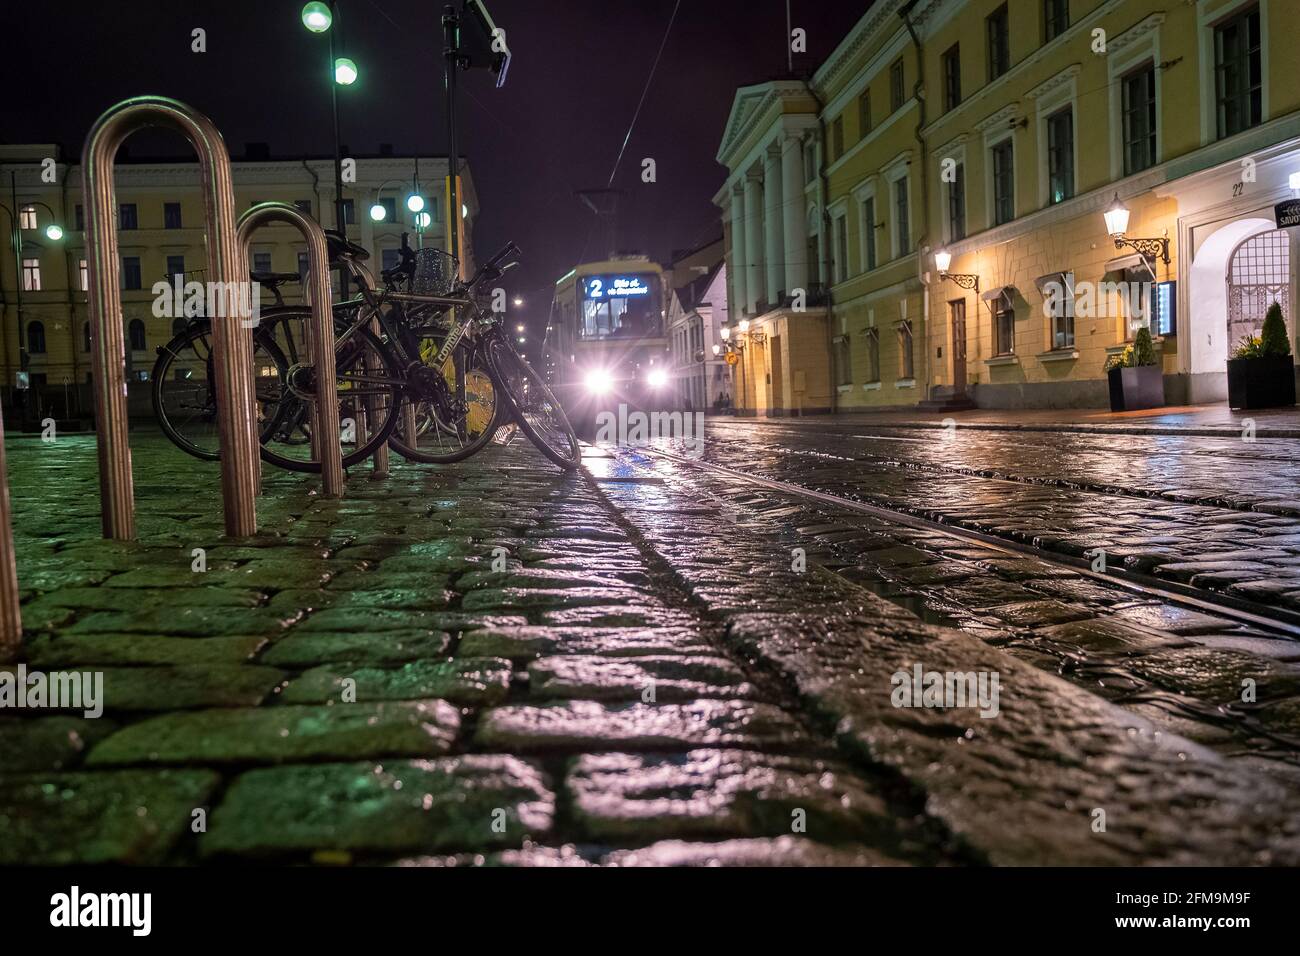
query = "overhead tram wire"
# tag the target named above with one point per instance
(650, 79)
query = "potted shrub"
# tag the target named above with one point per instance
(1134, 377)
(1260, 372)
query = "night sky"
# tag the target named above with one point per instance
(578, 71)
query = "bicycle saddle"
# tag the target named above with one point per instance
(342, 247)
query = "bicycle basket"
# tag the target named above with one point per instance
(435, 271)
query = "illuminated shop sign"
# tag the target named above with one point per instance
(615, 287)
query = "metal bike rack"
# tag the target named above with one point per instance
(232, 348)
(326, 441)
(11, 624)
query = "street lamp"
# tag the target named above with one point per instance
(345, 71)
(964, 280)
(317, 17)
(1117, 225)
(415, 202)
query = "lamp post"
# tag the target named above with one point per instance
(54, 232)
(319, 17)
(1117, 225)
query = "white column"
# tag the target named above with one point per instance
(774, 236)
(753, 240)
(737, 265)
(794, 219)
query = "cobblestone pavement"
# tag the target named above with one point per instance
(495, 662)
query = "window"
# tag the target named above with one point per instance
(841, 248)
(261, 262)
(31, 275)
(1056, 18)
(130, 272)
(304, 205)
(348, 216)
(957, 204)
(171, 215)
(85, 336)
(1004, 327)
(135, 332)
(873, 355)
(27, 217)
(36, 338)
(864, 113)
(952, 77)
(902, 232)
(176, 266)
(905, 368)
(1060, 156)
(1058, 293)
(1138, 91)
(1004, 183)
(79, 214)
(127, 217)
(837, 137)
(896, 92)
(390, 208)
(869, 231)
(809, 162)
(1238, 73)
(83, 270)
(302, 265)
(843, 361)
(999, 45)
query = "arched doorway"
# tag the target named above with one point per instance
(1259, 274)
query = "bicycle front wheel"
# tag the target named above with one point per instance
(534, 406)
(367, 380)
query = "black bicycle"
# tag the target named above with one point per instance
(419, 364)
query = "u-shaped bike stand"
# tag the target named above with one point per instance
(326, 441)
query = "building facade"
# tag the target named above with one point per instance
(998, 133)
(697, 310)
(161, 235)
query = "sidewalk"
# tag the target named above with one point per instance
(1208, 420)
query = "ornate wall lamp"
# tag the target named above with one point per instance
(943, 259)
(1117, 224)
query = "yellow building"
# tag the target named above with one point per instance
(998, 133)
(161, 234)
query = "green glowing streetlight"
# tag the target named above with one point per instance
(54, 231)
(345, 71)
(423, 220)
(316, 17)
(415, 202)
(378, 212)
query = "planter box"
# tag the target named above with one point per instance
(1264, 382)
(1133, 388)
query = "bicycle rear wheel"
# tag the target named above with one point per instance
(444, 435)
(366, 377)
(184, 394)
(534, 406)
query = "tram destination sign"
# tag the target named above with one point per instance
(1287, 213)
(616, 287)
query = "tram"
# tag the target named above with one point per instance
(606, 342)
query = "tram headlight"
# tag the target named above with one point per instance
(656, 378)
(598, 381)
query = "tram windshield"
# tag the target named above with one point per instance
(621, 306)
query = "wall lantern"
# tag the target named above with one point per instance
(1117, 225)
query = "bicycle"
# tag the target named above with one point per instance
(396, 358)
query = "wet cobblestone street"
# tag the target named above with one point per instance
(652, 662)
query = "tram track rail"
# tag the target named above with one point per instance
(1274, 620)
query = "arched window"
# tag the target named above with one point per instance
(36, 338)
(135, 331)
(1259, 274)
(85, 336)
(178, 326)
